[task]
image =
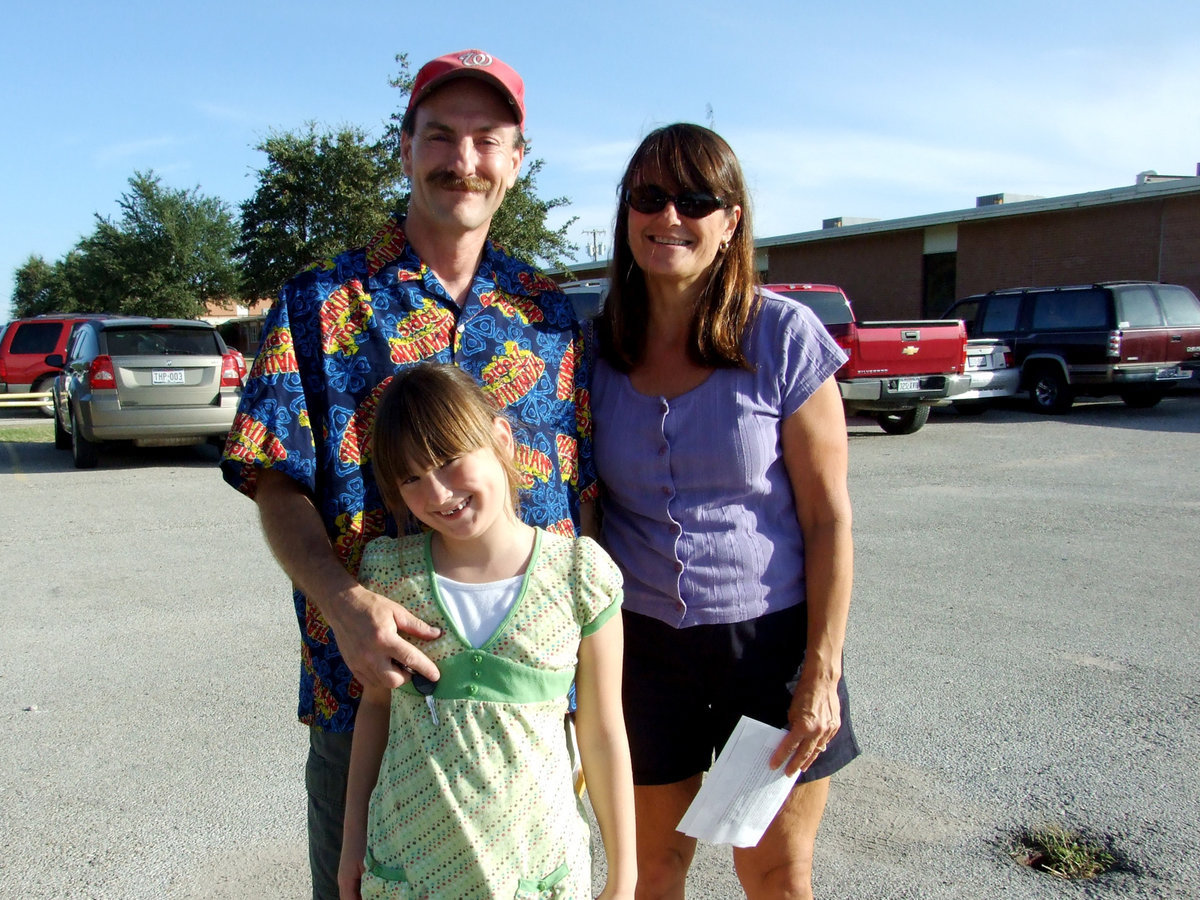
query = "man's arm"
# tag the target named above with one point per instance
(367, 626)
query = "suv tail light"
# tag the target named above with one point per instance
(101, 374)
(231, 372)
(1114, 344)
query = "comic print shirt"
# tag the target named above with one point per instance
(331, 343)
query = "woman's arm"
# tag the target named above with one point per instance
(604, 751)
(816, 454)
(366, 754)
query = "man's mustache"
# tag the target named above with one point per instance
(451, 182)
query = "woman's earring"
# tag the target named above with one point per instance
(724, 245)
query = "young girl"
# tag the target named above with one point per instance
(467, 791)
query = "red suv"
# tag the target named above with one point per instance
(24, 346)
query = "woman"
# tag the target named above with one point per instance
(721, 443)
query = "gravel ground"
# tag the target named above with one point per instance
(1023, 649)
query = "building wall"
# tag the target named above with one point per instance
(1075, 246)
(880, 272)
(1180, 252)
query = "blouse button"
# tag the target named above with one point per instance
(472, 689)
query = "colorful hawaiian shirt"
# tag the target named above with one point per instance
(331, 343)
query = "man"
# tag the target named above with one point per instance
(429, 288)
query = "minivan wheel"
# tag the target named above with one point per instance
(903, 421)
(1142, 398)
(1049, 391)
(83, 451)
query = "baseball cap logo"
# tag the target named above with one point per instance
(475, 58)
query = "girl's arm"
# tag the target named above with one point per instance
(604, 752)
(366, 753)
(816, 454)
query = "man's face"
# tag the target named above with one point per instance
(461, 157)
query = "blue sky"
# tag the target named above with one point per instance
(851, 109)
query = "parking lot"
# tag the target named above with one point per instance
(1023, 650)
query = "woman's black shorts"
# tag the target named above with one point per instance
(686, 688)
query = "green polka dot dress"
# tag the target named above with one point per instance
(480, 804)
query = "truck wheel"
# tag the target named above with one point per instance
(1049, 391)
(903, 421)
(1142, 398)
(83, 451)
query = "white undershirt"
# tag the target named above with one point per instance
(478, 609)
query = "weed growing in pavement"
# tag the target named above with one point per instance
(1061, 852)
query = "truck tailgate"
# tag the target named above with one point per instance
(925, 347)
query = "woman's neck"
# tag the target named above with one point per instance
(504, 551)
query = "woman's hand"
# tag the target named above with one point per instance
(814, 718)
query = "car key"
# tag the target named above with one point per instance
(425, 688)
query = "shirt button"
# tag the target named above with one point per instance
(678, 567)
(666, 491)
(477, 658)
(472, 689)
(662, 451)
(476, 675)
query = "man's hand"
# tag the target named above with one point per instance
(368, 629)
(366, 625)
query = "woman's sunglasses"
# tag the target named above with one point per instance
(649, 199)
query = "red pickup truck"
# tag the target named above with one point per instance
(896, 370)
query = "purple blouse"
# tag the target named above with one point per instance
(698, 508)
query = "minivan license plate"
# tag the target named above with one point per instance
(166, 376)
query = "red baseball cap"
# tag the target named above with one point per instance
(470, 64)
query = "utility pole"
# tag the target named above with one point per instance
(595, 246)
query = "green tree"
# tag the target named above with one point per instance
(32, 292)
(168, 252)
(318, 194)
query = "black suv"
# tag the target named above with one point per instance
(1132, 338)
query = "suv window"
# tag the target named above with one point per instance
(38, 338)
(1066, 310)
(1179, 305)
(1001, 314)
(1137, 308)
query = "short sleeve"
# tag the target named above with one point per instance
(272, 428)
(790, 339)
(598, 583)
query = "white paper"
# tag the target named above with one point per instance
(741, 794)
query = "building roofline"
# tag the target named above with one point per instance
(1147, 191)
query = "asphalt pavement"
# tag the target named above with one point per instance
(1023, 650)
